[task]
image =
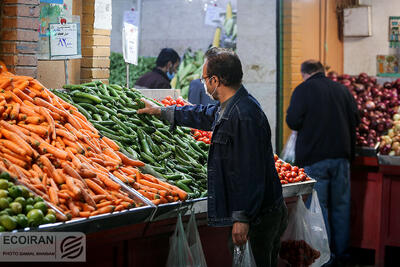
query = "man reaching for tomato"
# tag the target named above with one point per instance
(244, 190)
(325, 115)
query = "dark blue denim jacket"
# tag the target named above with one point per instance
(242, 178)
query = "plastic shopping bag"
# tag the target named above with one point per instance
(194, 242)
(305, 241)
(179, 251)
(243, 257)
(288, 153)
(320, 235)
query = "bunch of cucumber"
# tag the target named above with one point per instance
(172, 153)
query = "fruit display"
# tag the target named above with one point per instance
(289, 174)
(199, 135)
(377, 105)
(298, 253)
(118, 68)
(20, 208)
(57, 153)
(175, 155)
(390, 143)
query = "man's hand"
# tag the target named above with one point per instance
(150, 108)
(239, 233)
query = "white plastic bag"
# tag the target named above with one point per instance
(179, 251)
(243, 257)
(305, 241)
(288, 153)
(194, 242)
(319, 233)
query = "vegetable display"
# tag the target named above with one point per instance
(118, 68)
(57, 153)
(390, 143)
(376, 104)
(176, 156)
(289, 174)
(199, 135)
(190, 69)
(20, 208)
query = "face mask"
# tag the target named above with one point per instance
(170, 75)
(207, 93)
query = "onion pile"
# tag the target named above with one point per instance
(376, 103)
(390, 143)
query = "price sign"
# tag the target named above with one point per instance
(130, 39)
(63, 39)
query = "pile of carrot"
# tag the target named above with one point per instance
(53, 150)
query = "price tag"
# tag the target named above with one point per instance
(212, 16)
(130, 39)
(63, 39)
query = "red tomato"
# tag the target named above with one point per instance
(288, 166)
(276, 157)
(294, 174)
(301, 170)
(295, 169)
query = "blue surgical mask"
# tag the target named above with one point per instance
(170, 75)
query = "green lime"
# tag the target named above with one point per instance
(10, 199)
(4, 203)
(3, 193)
(22, 220)
(30, 201)
(5, 175)
(51, 211)
(10, 184)
(25, 191)
(15, 191)
(8, 222)
(2, 229)
(9, 211)
(28, 208)
(3, 184)
(3, 212)
(35, 217)
(38, 199)
(16, 207)
(50, 217)
(41, 206)
(21, 200)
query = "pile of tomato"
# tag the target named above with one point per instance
(169, 101)
(289, 174)
(199, 135)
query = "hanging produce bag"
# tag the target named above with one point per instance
(194, 242)
(305, 241)
(179, 251)
(243, 257)
(288, 152)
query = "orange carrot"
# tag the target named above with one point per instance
(15, 111)
(52, 171)
(69, 181)
(84, 214)
(111, 143)
(28, 110)
(128, 161)
(13, 147)
(103, 204)
(38, 129)
(119, 208)
(153, 185)
(22, 95)
(53, 196)
(74, 209)
(50, 120)
(15, 160)
(108, 181)
(106, 209)
(66, 134)
(95, 187)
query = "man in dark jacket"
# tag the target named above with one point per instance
(243, 186)
(325, 115)
(197, 94)
(160, 77)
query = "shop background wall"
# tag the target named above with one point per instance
(178, 24)
(360, 53)
(256, 47)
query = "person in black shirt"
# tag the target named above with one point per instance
(160, 77)
(325, 115)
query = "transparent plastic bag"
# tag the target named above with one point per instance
(305, 241)
(288, 153)
(179, 251)
(194, 242)
(320, 235)
(243, 257)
